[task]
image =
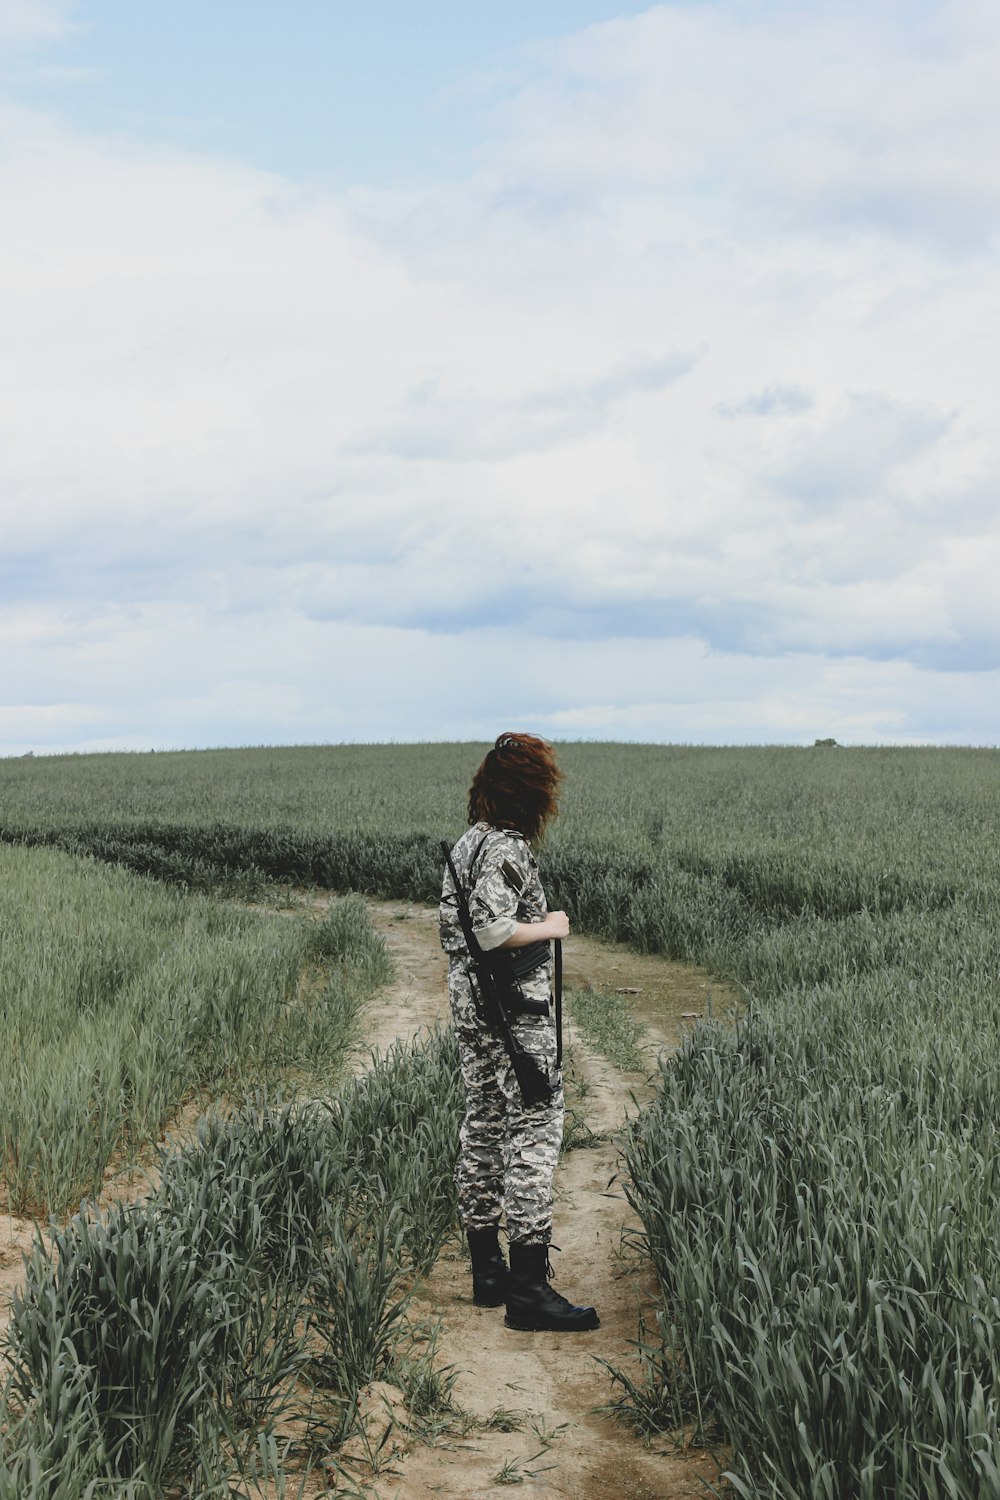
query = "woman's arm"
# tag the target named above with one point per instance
(555, 925)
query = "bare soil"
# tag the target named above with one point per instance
(547, 1390)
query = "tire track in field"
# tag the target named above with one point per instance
(550, 1384)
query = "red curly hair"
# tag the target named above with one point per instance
(517, 786)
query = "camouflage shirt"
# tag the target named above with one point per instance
(500, 877)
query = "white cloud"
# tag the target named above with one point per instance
(33, 21)
(773, 400)
(182, 676)
(788, 119)
(702, 359)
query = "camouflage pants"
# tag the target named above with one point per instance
(507, 1149)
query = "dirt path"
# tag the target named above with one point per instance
(550, 1386)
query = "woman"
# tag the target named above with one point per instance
(508, 1148)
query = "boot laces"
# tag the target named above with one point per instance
(554, 1296)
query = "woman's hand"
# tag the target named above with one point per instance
(558, 924)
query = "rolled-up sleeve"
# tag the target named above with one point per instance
(496, 933)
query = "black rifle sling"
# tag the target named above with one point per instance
(462, 898)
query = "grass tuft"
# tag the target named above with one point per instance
(605, 1021)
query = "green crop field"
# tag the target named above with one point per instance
(123, 997)
(265, 1280)
(818, 1181)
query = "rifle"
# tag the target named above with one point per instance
(491, 986)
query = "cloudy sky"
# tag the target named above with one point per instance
(416, 371)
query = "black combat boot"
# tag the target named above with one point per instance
(490, 1278)
(532, 1305)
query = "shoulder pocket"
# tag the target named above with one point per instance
(512, 876)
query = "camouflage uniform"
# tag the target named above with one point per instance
(507, 1149)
